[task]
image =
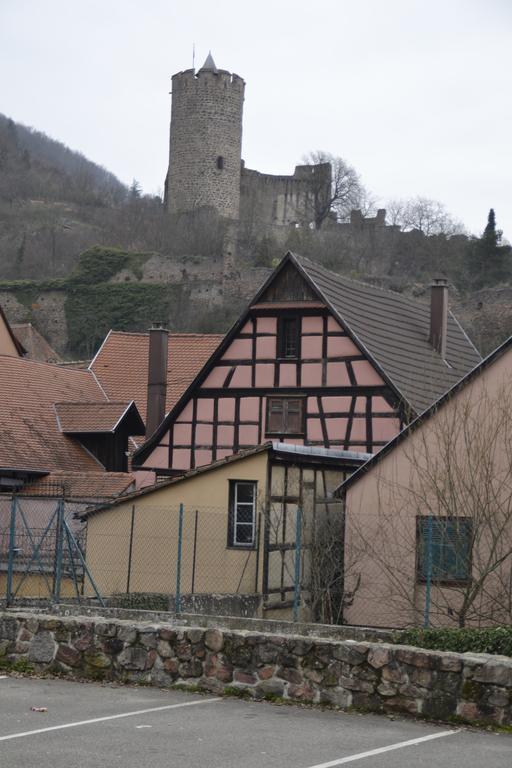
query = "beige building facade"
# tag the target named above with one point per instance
(429, 518)
(239, 525)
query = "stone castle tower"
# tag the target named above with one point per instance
(206, 141)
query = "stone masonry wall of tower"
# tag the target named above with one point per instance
(206, 142)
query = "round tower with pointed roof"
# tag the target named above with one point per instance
(206, 141)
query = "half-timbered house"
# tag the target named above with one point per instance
(316, 359)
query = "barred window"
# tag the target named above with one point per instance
(288, 337)
(444, 548)
(242, 513)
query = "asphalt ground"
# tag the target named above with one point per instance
(89, 725)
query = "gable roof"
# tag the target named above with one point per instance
(36, 346)
(426, 415)
(29, 434)
(121, 365)
(86, 417)
(392, 330)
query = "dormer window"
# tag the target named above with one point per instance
(220, 163)
(288, 338)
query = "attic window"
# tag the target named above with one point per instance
(288, 337)
(220, 162)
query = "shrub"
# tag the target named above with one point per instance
(496, 640)
(141, 601)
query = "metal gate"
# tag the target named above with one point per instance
(43, 555)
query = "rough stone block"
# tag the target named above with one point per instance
(379, 657)
(133, 657)
(148, 638)
(416, 658)
(164, 649)
(270, 688)
(42, 647)
(350, 654)
(190, 669)
(265, 673)
(289, 674)
(214, 639)
(97, 659)
(68, 655)
(195, 634)
(244, 678)
(127, 634)
(495, 673)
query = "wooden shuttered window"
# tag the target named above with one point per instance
(285, 416)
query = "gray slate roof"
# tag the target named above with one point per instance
(209, 64)
(395, 329)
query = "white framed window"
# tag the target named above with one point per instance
(242, 513)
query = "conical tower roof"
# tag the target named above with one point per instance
(209, 64)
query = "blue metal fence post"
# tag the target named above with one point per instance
(428, 575)
(178, 563)
(58, 551)
(12, 544)
(298, 548)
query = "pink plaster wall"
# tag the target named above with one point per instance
(287, 375)
(204, 434)
(314, 429)
(311, 347)
(264, 374)
(358, 429)
(266, 347)
(225, 435)
(186, 414)
(203, 457)
(384, 429)
(336, 404)
(226, 408)
(248, 434)
(311, 375)
(217, 376)
(336, 428)
(333, 325)
(312, 325)
(266, 325)
(365, 374)
(205, 409)
(181, 458)
(239, 349)
(312, 405)
(241, 377)
(249, 409)
(340, 346)
(337, 375)
(182, 434)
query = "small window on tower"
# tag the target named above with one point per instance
(220, 162)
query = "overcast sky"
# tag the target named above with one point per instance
(416, 94)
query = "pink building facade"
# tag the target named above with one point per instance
(290, 370)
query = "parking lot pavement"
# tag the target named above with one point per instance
(89, 725)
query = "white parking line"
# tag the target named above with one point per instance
(381, 750)
(108, 717)
(3, 677)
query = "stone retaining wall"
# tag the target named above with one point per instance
(370, 676)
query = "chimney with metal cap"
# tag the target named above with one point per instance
(157, 377)
(439, 315)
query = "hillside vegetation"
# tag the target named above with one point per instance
(56, 205)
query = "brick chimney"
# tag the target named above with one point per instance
(157, 377)
(439, 314)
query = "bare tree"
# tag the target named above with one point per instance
(421, 213)
(444, 517)
(338, 198)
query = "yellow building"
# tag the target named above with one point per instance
(239, 522)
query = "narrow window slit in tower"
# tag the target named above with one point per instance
(220, 162)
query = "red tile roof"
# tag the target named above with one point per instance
(36, 346)
(121, 364)
(85, 417)
(29, 434)
(82, 485)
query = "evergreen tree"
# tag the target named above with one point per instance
(488, 261)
